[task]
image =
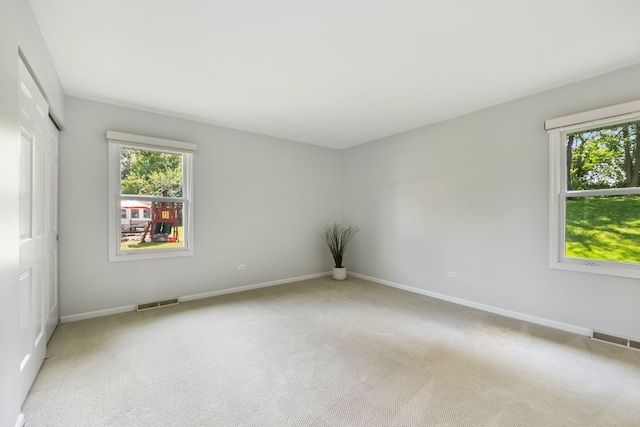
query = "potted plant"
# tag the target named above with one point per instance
(337, 237)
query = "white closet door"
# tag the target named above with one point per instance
(51, 229)
(34, 238)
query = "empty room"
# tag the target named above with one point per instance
(337, 213)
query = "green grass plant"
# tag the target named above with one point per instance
(136, 244)
(603, 228)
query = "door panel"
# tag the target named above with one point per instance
(53, 316)
(37, 305)
(25, 303)
(38, 186)
(26, 142)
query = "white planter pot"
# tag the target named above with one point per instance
(339, 273)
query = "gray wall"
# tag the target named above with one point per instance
(18, 30)
(470, 195)
(467, 195)
(257, 202)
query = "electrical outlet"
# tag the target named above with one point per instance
(241, 266)
(451, 273)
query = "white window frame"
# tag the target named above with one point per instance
(116, 141)
(558, 129)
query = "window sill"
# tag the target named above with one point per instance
(597, 267)
(139, 255)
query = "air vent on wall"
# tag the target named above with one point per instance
(625, 342)
(156, 304)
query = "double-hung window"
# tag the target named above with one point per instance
(595, 191)
(150, 197)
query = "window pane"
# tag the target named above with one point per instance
(604, 158)
(150, 173)
(132, 223)
(605, 228)
(161, 226)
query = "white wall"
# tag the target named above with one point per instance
(18, 30)
(257, 202)
(470, 195)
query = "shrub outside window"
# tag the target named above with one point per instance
(151, 178)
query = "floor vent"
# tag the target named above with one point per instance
(156, 304)
(625, 342)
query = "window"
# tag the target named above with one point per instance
(152, 179)
(595, 191)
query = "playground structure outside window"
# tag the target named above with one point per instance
(150, 184)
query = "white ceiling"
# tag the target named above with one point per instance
(334, 72)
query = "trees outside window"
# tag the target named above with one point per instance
(144, 172)
(604, 158)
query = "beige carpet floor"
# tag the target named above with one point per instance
(325, 353)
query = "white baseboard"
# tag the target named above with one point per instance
(20, 421)
(116, 310)
(98, 313)
(508, 313)
(250, 287)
